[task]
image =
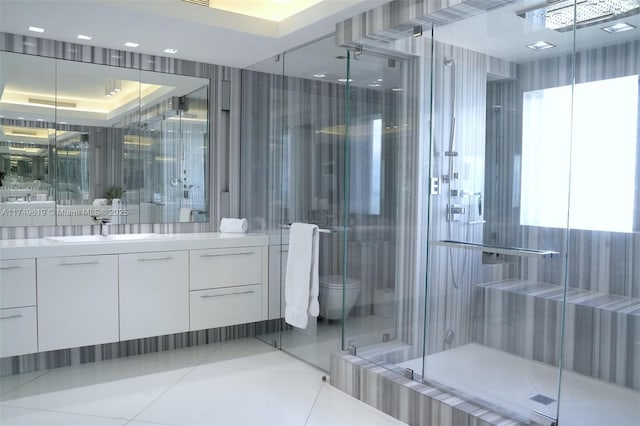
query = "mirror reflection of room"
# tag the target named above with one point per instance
(81, 141)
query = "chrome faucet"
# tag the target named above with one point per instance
(104, 224)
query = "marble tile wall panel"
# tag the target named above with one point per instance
(601, 330)
(395, 20)
(65, 357)
(405, 399)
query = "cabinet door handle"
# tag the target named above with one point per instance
(227, 254)
(11, 316)
(4, 268)
(208, 296)
(154, 259)
(94, 262)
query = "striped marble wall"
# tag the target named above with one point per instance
(66, 357)
(395, 20)
(223, 135)
(409, 401)
(600, 261)
(602, 267)
(294, 168)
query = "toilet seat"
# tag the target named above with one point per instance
(335, 282)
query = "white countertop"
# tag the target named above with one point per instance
(43, 247)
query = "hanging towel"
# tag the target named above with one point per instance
(233, 225)
(185, 214)
(301, 284)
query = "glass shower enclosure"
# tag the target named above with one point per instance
(479, 183)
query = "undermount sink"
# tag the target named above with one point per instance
(98, 238)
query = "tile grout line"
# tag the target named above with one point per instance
(174, 383)
(314, 403)
(63, 412)
(25, 383)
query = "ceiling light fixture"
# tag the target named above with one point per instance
(397, 89)
(374, 84)
(111, 87)
(131, 44)
(560, 15)
(170, 50)
(320, 75)
(379, 80)
(540, 45)
(83, 37)
(618, 28)
(36, 29)
(344, 80)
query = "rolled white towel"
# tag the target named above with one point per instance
(233, 225)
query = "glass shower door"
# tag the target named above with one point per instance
(601, 360)
(498, 226)
(385, 166)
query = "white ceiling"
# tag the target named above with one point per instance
(503, 34)
(199, 33)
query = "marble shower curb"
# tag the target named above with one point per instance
(407, 400)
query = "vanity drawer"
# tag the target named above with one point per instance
(225, 267)
(18, 331)
(225, 306)
(154, 294)
(17, 283)
(77, 301)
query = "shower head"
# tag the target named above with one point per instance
(559, 14)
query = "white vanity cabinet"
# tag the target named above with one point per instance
(77, 301)
(61, 294)
(154, 294)
(228, 286)
(18, 325)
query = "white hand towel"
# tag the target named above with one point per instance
(233, 225)
(301, 285)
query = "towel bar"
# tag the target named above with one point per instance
(321, 230)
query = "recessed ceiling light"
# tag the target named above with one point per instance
(397, 89)
(63, 122)
(36, 29)
(131, 44)
(379, 80)
(20, 118)
(170, 50)
(320, 75)
(540, 45)
(374, 85)
(84, 37)
(40, 119)
(344, 80)
(618, 28)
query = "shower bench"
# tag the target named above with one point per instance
(525, 317)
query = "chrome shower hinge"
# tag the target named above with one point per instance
(408, 373)
(352, 350)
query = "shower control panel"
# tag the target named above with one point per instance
(435, 186)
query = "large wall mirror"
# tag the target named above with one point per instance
(80, 140)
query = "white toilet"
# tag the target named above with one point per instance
(330, 296)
